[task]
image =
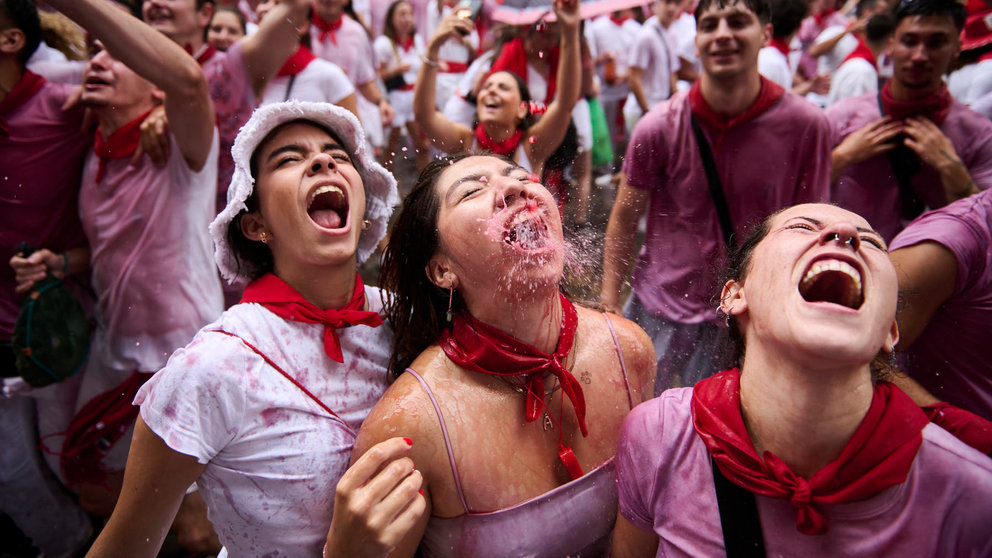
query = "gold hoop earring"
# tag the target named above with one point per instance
(366, 224)
(263, 237)
(451, 295)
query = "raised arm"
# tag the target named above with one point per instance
(618, 246)
(550, 129)
(446, 135)
(276, 40)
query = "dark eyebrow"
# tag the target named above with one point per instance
(296, 148)
(477, 177)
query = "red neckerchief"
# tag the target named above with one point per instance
(505, 147)
(327, 28)
(619, 21)
(986, 56)
(863, 52)
(119, 145)
(479, 347)
(407, 44)
(513, 58)
(780, 45)
(25, 88)
(965, 425)
(284, 301)
(206, 53)
(878, 455)
(935, 106)
(297, 62)
(769, 94)
(818, 18)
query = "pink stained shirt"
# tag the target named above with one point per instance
(234, 100)
(353, 51)
(152, 259)
(778, 159)
(951, 356)
(41, 161)
(869, 188)
(665, 485)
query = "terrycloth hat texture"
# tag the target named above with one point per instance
(380, 186)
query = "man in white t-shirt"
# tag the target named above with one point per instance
(653, 59)
(858, 74)
(774, 60)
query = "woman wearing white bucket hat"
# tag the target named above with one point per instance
(261, 408)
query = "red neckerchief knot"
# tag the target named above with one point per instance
(878, 455)
(769, 94)
(505, 147)
(479, 347)
(935, 106)
(327, 28)
(284, 301)
(297, 62)
(121, 144)
(29, 84)
(406, 44)
(863, 52)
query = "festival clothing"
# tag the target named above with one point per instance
(828, 62)
(665, 485)
(684, 31)
(972, 82)
(809, 30)
(231, 90)
(983, 105)
(519, 154)
(320, 81)
(389, 54)
(775, 66)
(950, 357)
(574, 519)
(673, 276)
(453, 55)
(273, 456)
(854, 77)
(607, 36)
(870, 189)
(654, 53)
(152, 271)
(41, 154)
(348, 47)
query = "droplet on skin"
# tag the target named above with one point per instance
(532, 139)
(483, 179)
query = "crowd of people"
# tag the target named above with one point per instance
(207, 179)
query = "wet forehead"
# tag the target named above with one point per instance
(821, 213)
(927, 25)
(298, 133)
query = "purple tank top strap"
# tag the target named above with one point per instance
(623, 366)
(444, 433)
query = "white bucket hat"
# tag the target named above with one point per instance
(380, 186)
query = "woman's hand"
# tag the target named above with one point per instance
(567, 12)
(457, 24)
(377, 501)
(29, 270)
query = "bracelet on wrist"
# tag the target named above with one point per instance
(428, 61)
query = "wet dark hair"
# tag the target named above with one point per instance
(21, 14)
(879, 28)
(255, 254)
(864, 6)
(762, 8)
(388, 30)
(787, 15)
(738, 265)
(926, 8)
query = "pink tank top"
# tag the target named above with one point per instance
(574, 519)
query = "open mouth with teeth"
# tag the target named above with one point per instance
(328, 207)
(526, 231)
(833, 281)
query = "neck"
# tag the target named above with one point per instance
(194, 40)
(731, 96)
(327, 288)
(112, 117)
(11, 72)
(331, 15)
(498, 132)
(534, 319)
(804, 416)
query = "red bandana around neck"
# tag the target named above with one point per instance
(619, 20)
(780, 45)
(479, 347)
(505, 147)
(207, 51)
(863, 52)
(284, 301)
(878, 455)
(29, 84)
(935, 106)
(407, 44)
(121, 144)
(513, 58)
(327, 28)
(297, 62)
(822, 16)
(768, 95)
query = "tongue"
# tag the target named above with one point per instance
(327, 218)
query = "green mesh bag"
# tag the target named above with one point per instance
(51, 335)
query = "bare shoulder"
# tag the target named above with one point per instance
(638, 352)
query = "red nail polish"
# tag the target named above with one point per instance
(408, 441)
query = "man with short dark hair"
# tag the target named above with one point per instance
(911, 146)
(770, 149)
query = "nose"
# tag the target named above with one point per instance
(508, 190)
(920, 53)
(722, 30)
(100, 60)
(321, 162)
(842, 234)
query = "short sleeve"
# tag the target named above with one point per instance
(383, 52)
(968, 243)
(637, 464)
(197, 402)
(640, 53)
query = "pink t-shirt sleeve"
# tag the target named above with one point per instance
(647, 152)
(637, 464)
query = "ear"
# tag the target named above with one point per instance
(733, 299)
(158, 96)
(892, 339)
(12, 41)
(205, 14)
(439, 272)
(522, 110)
(253, 225)
(766, 34)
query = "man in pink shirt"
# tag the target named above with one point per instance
(237, 77)
(911, 146)
(771, 150)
